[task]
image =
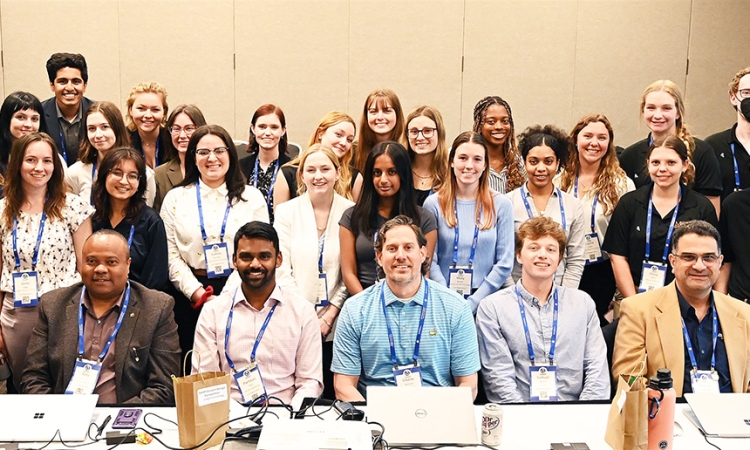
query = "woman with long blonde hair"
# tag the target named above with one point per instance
(425, 138)
(593, 175)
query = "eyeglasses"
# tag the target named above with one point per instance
(426, 132)
(691, 258)
(119, 174)
(189, 129)
(743, 94)
(218, 151)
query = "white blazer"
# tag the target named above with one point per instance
(298, 241)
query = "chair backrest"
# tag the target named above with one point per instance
(293, 149)
(241, 148)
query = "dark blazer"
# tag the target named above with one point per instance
(166, 176)
(162, 141)
(53, 126)
(147, 351)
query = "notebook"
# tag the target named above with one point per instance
(720, 415)
(424, 415)
(37, 418)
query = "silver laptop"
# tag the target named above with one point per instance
(314, 434)
(37, 418)
(721, 415)
(423, 415)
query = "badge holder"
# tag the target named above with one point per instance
(592, 249)
(704, 381)
(25, 289)
(408, 376)
(84, 379)
(543, 383)
(322, 295)
(459, 280)
(653, 276)
(217, 260)
(250, 383)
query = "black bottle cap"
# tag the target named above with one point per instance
(662, 380)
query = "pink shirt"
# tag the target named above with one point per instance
(290, 355)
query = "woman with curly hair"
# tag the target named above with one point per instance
(493, 119)
(544, 150)
(146, 115)
(593, 175)
(425, 138)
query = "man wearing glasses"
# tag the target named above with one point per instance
(732, 146)
(699, 334)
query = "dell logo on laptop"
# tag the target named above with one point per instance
(420, 413)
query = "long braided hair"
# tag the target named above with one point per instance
(513, 161)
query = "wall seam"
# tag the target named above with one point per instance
(463, 69)
(687, 52)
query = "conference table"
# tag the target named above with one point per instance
(525, 426)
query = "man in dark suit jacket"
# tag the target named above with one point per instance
(145, 351)
(68, 78)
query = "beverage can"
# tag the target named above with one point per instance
(492, 424)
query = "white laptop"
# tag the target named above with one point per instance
(314, 434)
(720, 415)
(423, 415)
(36, 418)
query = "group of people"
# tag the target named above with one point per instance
(391, 256)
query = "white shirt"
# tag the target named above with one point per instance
(182, 224)
(79, 178)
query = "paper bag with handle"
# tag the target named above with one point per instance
(627, 425)
(202, 403)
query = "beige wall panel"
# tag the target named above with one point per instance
(413, 48)
(60, 26)
(294, 54)
(718, 49)
(621, 48)
(187, 47)
(523, 52)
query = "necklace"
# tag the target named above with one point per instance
(423, 181)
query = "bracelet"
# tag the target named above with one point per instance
(327, 322)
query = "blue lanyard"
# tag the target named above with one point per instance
(736, 169)
(156, 152)
(130, 237)
(38, 241)
(473, 242)
(419, 328)
(531, 214)
(257, 338)
(64, 148)
(593, 208)
(714, 334)
(114, 332)
(669, 232)
(526, 327)
(273, 178)
(200, 215)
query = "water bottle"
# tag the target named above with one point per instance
(4, 368)
(661, 401)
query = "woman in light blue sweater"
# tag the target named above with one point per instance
(474, 251)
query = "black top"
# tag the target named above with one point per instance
(722, 145)
(163, 141)
(707, 174)
(735, 244)
(701, 338)
(422, 195)
(247, 166)
(364, 244)
(148, 253)
(626, 234)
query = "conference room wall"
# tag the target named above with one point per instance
(552, 60)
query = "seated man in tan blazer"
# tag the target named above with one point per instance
(674, 326)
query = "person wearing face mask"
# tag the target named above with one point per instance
(182, 123)
(20, 114)
(474, 251)
(593, 175)
(425, 137)
(382, 120)
(732, 146)
(544, 150)
(105, 130)
(336, 130)
(268, 152)
(146, 112)
(663, 110)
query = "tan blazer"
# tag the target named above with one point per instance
(650, 325)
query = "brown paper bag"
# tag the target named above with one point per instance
(202, 405)
(627, 425)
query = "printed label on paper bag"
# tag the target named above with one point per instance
(213, 394)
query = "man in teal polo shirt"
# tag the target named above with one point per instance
(406, 330)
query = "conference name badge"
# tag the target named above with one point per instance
(543, 383)
(460, 280)
(217, 260)
(322, 295)
(704, 381)
(592, 249)
(250, 383)
(85, 376)
(408, 376)
(653, 276)
(25, 289)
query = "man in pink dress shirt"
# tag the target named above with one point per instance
(273, 346)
